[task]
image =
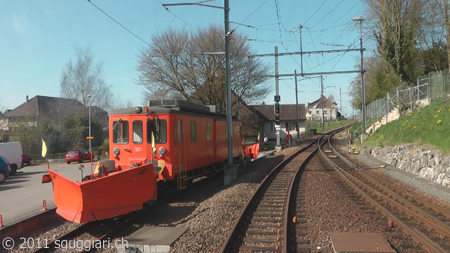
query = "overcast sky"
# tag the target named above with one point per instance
(38, 39)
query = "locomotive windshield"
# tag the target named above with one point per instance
(159, 129)
(120, 131)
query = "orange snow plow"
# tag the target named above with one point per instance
(115, 193)
(251, 151)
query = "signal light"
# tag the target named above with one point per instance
(277, 108)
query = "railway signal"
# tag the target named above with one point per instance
(277, 109)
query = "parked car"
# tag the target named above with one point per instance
(12, 152)
(26, 159)
(78, 155)
(5, 169)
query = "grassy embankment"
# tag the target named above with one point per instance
(428, 126)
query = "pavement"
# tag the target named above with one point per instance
(23, 195)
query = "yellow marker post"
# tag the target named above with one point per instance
(90, 138)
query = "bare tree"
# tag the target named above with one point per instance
(192, 66)
(84, 78)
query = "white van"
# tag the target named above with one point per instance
(12, 151)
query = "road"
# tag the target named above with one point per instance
(22, 195)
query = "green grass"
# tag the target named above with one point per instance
(426, 126)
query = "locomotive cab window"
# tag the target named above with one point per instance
(137, 132)
(120, 131)
(159, 129)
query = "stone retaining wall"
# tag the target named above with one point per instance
(428, 164)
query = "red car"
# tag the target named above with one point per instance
(26, 159)
(78, 155)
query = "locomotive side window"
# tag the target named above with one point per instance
(180, 131)
(208, 131)
(120, 132)
(159, 129)
(193, 131)
(137, 131)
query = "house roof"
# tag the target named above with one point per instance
(318, 102)
(46, 106)
(287, 112)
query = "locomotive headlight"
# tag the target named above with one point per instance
(162, 150)
(116, 151)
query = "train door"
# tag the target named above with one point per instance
(180, 146)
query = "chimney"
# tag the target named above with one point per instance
(27, 99)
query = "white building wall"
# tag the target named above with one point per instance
(269, 129)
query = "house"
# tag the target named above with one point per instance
(330, 110)
(288, 119)
(53, 108)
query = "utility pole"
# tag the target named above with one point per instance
(296, 105)
(277, 102)
(340, 103)
(363, 94)
(228, 81)
(301, 47)
(321, 98)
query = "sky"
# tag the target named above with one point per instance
(38, 39)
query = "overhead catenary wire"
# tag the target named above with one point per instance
(327, 14)
(117, 22)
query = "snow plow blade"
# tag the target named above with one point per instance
(117, 193)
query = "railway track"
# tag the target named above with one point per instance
(425, 222)
(273, 219)
(263, 223)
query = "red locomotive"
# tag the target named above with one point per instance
(169, 140)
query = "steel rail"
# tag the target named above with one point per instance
(417, 235)
(227, 247)
(290, 196)
(436, 208)
(412, 209)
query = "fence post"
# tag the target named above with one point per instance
(387, 107)
(398, 97)
(418, 89)
(410, 99)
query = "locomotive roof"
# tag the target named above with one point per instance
(173, 106)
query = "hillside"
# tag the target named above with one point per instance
(423, 127)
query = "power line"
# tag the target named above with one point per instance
(167, 9)
(117, 22)
(279, 20)
(251, 15)
(327, 14)
(315, 11)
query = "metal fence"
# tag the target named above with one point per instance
(403, 99)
